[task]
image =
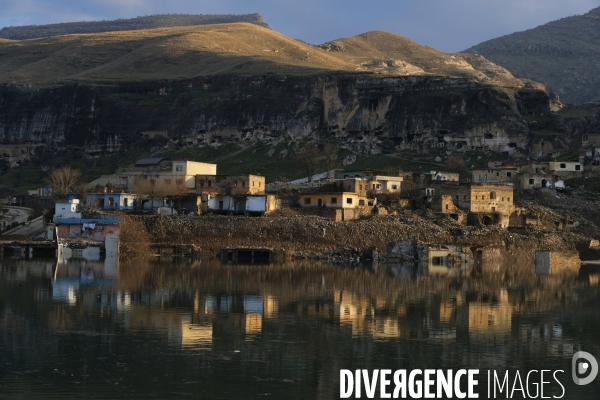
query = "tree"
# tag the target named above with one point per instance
(330, 156)
(455, 164)
(307, 158)
(63, 180)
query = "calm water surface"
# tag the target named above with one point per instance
(204, 330)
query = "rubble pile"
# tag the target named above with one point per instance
(305, 236)
(290, 232)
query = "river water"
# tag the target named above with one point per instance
(200, 329)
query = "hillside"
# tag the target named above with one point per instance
(147, 22)
(235, 48)
(563, 54)
(393, 54)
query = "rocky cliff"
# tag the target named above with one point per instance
(373, 114)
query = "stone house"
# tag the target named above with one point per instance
(166, 176)
(495, 175)
(112, 201)
(332, 200)
(247, 204)
(589, 139)
(487, 204)
(235, 185)
(564, 166)
(528, 180)
(443, 176)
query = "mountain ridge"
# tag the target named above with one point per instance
(236, 48)
(137, 23)
(562, 54)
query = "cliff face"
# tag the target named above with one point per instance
(371, 114)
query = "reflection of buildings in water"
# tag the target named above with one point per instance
(446, 311)
(242, 314)
(485, 318)
(253, 325)
(194, 336)
(87, 270)
(357, 312)
(180, 328)
(18, 270)
(384, 327)
(351, 310)
(491, 318)
(546, 338)
(70, 275)
(270, 306)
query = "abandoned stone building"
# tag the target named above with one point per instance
(477, 203)
(236, 185)
(495, 175)
(528, 180)
(371, 185)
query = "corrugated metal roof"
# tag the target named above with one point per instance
(149, 161)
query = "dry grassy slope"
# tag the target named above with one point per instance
(187, 52)
(562, 54)
(387, 52)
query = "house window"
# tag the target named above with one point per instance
(394, 187)
(125, 202)
(167, 181)
(563, 165)
(508, 199)
(361, 202)
(179, 168)
(152, 182)
(482, 197)
(253, 183)
(508, 174)
(307, 200)
(577, 167)
(360, 187)
(243, 183)
(179, 182)
(349, 200)
(378, 186)
(259, 183)
(209, 183)
(456, 197)
(111, 202)
(531, 181)
(476, 197)
(493, 195)
(202, 183)
(235, 184)
(502, 198)
(334, 200)
(446, 206)
(497, 173)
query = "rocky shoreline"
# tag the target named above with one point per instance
(312, 237)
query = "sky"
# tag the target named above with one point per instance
(447, 25)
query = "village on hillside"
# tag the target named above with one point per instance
(87, 223)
